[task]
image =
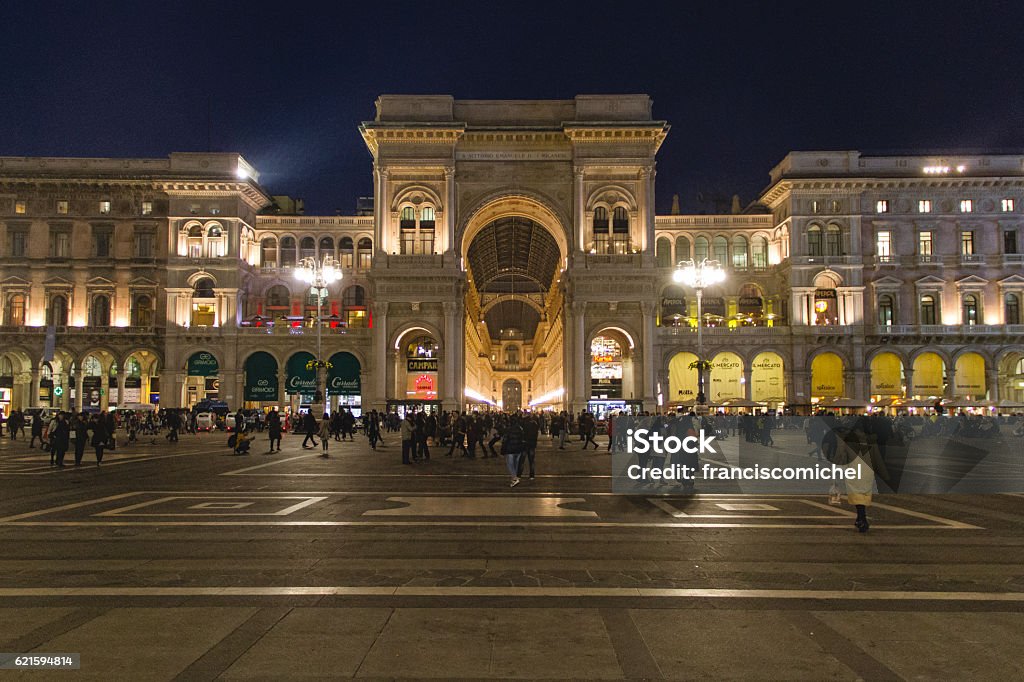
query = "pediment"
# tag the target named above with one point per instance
(14, 281)
(143, 282)
(100, 282)
(887, 282)
(1012, 280)
(971, 281)
(930, 281)
(58, 282)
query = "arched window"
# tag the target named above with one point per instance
(970, 309)
(750, 305)
(278, 298)
(326, 247)
(365, 246)
(288, 252)
(673, 307)
(57, 315)
(142, 311)
(720, 245)
(886, 310)
(602, 240)
(1012, 309)
(759, 253)
(427, 218)
(739, 252)
(620, 230)
(512, 355)
(269, 248)
(217, 241)
(928, 309)
(203, 288)
(195, 242)
(682, 249)
(833, 241)
(14, 311)
(814, 240)
(204, 308)
(407, 221)
(353, 301)
(663, 252)
(700, 249)
(307, 248)
(346, 252)
(99, 314)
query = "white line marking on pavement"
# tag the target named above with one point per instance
(76, 505)
(515, 592)
(498, 524)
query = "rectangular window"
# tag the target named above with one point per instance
(62, 207)
(147, 208)
(18, 241)
(881, 206)
(924, 206)
(104, 207)
(60, 245)
(924, 243)
(836, 206)
(815, 207)
(1007, 205)
(1009, 241)
(143, 245)
(883, 246)
(967, 243)
(966, 206)
(103, 244)
(20, 207)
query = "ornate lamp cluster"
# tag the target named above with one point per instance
(698, 275)
(318, 275)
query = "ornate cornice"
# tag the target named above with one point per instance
(376, 134)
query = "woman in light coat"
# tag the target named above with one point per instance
(857, 447)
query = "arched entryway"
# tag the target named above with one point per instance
(682, 378)
(929, 378)
(514, 249)
(260, 383)
(827, 377)
(768, 379)
(344, 382)
(512, 395)
(202, 378)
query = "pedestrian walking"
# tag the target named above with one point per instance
(99, 437)
(274, 429)
(310, 426)
(857, 449)
(512, 445)
(325, 433)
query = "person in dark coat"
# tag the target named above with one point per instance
(60, 439)
(274, 430)
(81, 428)
(111, 424)
(531, 431)
(100, 436)
(310, 426)
(37, 431)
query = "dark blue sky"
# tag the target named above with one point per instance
(286, 84)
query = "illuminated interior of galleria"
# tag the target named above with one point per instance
(511, 256)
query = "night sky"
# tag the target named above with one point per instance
(287, 84)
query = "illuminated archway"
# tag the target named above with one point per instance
(929, 376)
(970, 376)
(682, 378)
(827, 376)
(726, 377)
(887, 376)
(768, 378)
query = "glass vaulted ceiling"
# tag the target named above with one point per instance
(513, 256)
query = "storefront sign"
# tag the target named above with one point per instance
(300, 380)
(260, 377)
(203, 364)
(421, 364)
(343, 375)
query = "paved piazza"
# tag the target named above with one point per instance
(185, 562)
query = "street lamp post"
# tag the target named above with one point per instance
(318, 275)
(698, 275)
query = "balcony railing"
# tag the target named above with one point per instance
(69, 329)
(718, 332)
(972, 259)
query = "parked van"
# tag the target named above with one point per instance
(205, 421)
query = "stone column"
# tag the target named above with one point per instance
(580, 204)
(448, 241)
(861, 379)
(282, 385)
(568, 356)
(448, 394)
(649, 316)
(121, 377)
(33, 398)
(580, 352)
(799, 391)
(79, 389)
(992, 379)
(908, 378)
(380, 354)
(748, 387)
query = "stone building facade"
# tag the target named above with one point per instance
(513, 257)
